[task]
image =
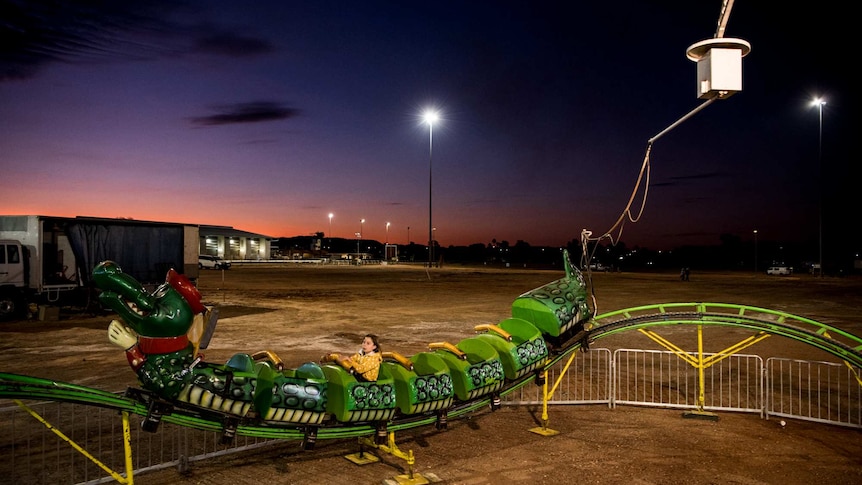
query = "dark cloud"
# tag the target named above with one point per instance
(233, 45)
(711, 175)
(247, 113)
(34, 34)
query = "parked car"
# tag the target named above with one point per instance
(206, 261)
(779, 270)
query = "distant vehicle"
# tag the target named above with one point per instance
(780, 270)
(599, 267)
(212, 262)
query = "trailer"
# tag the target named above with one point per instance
(46, 261)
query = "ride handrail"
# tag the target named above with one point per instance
(488, 327)
(404, 361)
(270, 356)
(345, 363)
(449, 347)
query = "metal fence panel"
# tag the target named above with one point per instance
(662, 378)
(826, 392)
(586, 381)
(35, 455)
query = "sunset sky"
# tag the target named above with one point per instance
(269, 115)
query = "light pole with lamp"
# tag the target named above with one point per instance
(386, 244)
(434, 236)
(819, 102)
(330, 230)
(755, 251)
(358, 239)
(430, 117)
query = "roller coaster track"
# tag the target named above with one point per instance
(837, 342)
(834, 341)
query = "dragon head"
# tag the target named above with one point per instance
(162, 313)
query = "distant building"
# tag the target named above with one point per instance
(233, 244)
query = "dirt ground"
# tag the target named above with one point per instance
(300, 313)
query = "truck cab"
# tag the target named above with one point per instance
(11, 264)
(13, 279)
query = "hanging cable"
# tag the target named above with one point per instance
(643, 175)
(643, 178)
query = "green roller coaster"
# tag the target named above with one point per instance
(255, 396)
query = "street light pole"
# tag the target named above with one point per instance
(387, 233)
(755, 251)
(330, 230)
(430, 117)
(359, 238)
(820, 102)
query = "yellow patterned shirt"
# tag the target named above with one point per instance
(367, 365)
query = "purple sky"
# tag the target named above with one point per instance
(268, 116)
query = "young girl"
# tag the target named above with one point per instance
(366, 362)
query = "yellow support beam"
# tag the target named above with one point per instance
(546, 396)
(701, 362)
(543, 429)
(127, 445)
(362, 458)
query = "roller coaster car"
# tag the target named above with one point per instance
(353, 400)
(475, 366)
(559, 310)
(158, 408)
(423, 384)
(519, 343)
(292, 390)
(350, 399)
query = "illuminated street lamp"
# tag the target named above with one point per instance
(819, 102)
(330, 230)
(430, 116)
(387, 233)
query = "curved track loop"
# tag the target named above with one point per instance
(832, 340)
(835, 341)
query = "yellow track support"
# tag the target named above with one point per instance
(543, 429)
(127, 445)
(700, 362)
(363, 458)
(546, 396)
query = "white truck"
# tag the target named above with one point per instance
(779, 270)
(47, 260)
